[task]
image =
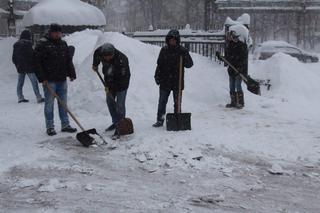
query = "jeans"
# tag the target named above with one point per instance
(235, 83)
(117, 106)
(34, 83)
(61, 88)
(163, 100)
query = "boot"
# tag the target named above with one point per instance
(158, 124)
(111, 127)
(233, 101)
(51, 132)
(240, 100)
(23, 101)
(69, 129)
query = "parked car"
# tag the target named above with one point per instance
(269, 48)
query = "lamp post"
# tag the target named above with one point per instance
(11, 19)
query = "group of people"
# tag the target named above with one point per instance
(50, 63)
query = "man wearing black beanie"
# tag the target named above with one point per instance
(54, 64)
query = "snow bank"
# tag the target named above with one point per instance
(70, 12)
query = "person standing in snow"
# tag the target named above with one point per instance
(236, 53)
(23, 59)
(54, 64)
(117, 75)
(167, 73)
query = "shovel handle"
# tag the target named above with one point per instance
(61, 102)
(180, 84)
(235, 69)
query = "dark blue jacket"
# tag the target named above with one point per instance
(53, 60)
(23, 54)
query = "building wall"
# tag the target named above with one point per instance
(292, 21)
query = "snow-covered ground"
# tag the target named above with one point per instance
(223, 165)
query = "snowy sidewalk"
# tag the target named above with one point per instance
(264, 158)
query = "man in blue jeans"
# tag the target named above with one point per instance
(23, 58)
(167, 73)
(54, 65)
(117, 77)
(237, 54)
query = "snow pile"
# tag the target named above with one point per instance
(70, 12)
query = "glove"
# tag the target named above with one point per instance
(94, 68)
(218, 55)
(183, 51)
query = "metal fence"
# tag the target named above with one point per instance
(203, 43)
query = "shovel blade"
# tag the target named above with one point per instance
(125, 127)
(85, 139)
(178, 121)
(253, 86)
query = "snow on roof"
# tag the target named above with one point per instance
(64, 12)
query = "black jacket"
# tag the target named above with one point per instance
(23, 54)
(237, 55)
(53, 60)
(116, 73)
(167, 72)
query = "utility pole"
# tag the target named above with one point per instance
(11, 19)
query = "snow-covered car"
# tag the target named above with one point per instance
(269, 48)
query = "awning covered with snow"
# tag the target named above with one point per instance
(64, 12)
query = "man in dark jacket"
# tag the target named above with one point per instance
(54, 65)
(23, 58)
(117, 77)
(167, 72)
(237, 54)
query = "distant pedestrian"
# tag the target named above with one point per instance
(23, 58)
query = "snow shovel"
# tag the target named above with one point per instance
(252, 85)
(179, 121)
(83, 137)
(125, 125)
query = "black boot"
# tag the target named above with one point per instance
(23, 101)
(110, 128)
(240, 100)
(233, 103)
(69, 129)
(158, 124)
(51, 132)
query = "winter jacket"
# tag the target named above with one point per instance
(23, 54)
(53, 60)
(237, 54)
(168, 64)
(116, 72)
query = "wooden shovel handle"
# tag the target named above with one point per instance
(180, 84)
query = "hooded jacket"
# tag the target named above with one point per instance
(167, 72)
(117, 71)
(53, 60)
(23, 54)
(237, 55)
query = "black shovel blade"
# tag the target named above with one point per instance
(85, 139)
(178, 121)
(253, 86)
